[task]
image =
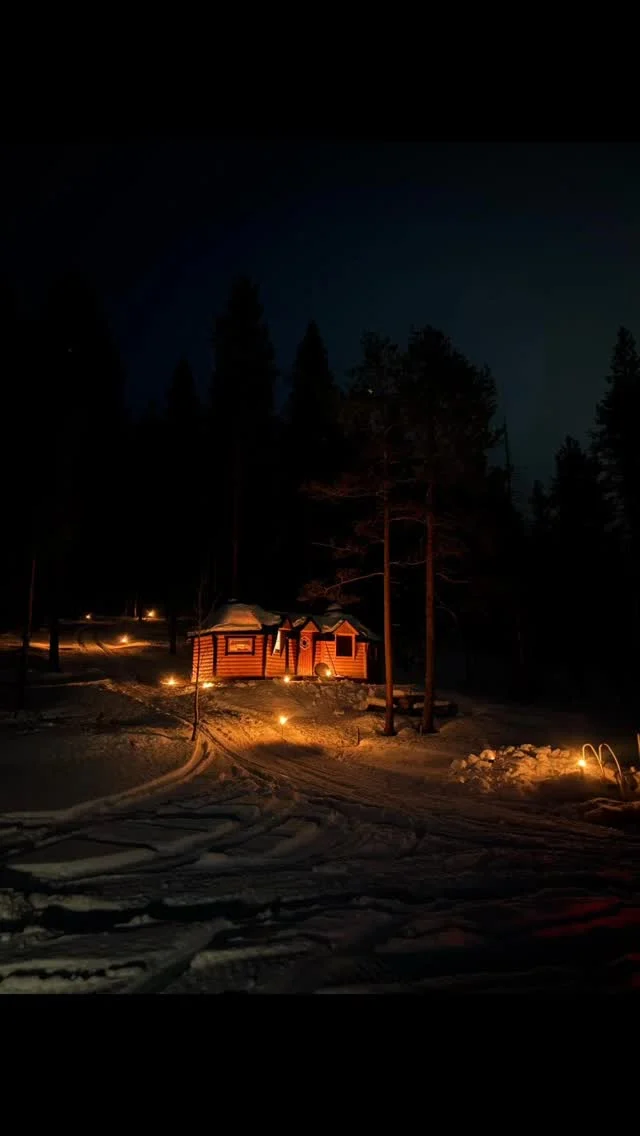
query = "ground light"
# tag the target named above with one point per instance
(88, 615)
(170, 681)
(287, 678)
(207, 685)
(283, 721)
(151, 614)
(124, 638)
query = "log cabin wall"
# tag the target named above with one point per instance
(203, 644)
(276, 663)
(345, 666)
(235, 664)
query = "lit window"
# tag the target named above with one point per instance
(240, 646)
(344, 646)
(277, 646)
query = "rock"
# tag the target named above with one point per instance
(488, 755)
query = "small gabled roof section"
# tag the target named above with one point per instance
(334, 617)
(305, 620)
(330, 622)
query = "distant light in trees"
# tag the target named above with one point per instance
(151, 614)
(124, 638)
(88, 615)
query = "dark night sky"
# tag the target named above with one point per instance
(527, 255)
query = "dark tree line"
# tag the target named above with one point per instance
(585, 550)
(384, 491)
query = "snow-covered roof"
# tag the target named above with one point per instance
(240, 617)
(234, 616)
(330, 621)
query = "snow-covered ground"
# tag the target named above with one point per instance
(313, 855)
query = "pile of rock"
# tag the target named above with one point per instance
(523, 768)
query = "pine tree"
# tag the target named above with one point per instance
(81, 405)
(366, 492)
(615, 439)
(312, 409)
(312, 442)
(184, 454)
(615, 445)
(243, 438)
(448, 406)
(579, 552)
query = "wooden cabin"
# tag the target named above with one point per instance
(245, 641)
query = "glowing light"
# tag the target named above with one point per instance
(282, 719)
(582, 763)
(124, 638)
(207, 685)
(151, 614)
(171, 681)
(88, 615)
(287, 678)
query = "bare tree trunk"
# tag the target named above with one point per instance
(389, 728)
(172, 623)
(196, 693)
(428, 726)
(235, 526)
(54, 631)
(21, 693)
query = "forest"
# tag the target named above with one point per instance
(389, 489)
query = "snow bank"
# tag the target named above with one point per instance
(524, 768)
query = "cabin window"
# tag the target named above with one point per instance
(344, 646)
(305, 643)
(240, 646)
(277, 646)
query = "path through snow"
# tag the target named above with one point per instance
(307, 864)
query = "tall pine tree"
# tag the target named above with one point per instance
(448, 405)
(615, 444)
(312, 442)
(184, 453)
(615, 440)
(243, 445)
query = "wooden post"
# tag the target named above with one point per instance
(430, 630)
(23, 667)
(389, 728)
(196, 692)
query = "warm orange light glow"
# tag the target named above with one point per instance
(124, 638)
(151, 614)
(171, 681)
(88, 615)
(582, 763)
(287, 678)
(206, 685)
(282, 719)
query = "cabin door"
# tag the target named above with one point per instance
(305, 654)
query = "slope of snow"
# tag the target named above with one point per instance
(320, 857)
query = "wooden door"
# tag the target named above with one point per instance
(305, 654)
